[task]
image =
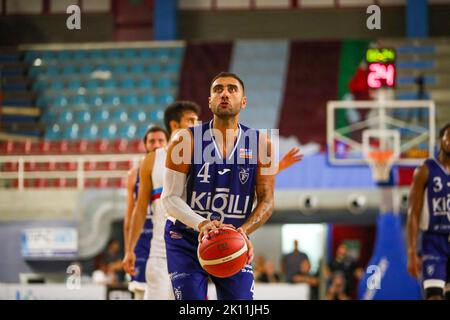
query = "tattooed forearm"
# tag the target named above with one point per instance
(263, 209)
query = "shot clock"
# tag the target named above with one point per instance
(381, 66)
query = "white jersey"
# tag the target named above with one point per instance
(159, 286)
(158, 245)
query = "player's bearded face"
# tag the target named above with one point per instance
(227, 97)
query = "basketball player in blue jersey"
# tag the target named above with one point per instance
(154, 138)
(179, 115)
(429, 210)
(202, 193)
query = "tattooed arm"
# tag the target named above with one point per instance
(264, 207)
(265, 180)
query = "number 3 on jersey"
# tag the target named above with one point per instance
(203, 173)
(437, 184)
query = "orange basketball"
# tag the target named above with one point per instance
(224, 254)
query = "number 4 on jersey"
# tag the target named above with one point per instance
(203, 173)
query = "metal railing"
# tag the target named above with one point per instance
(80, 174)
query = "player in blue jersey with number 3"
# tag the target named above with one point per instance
(214, 172)
(429, 210)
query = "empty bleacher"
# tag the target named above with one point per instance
(90, 101)
(429, 58)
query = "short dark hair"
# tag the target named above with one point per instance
(175, 111)
(155, 129)
(442, 131)
(225, 74)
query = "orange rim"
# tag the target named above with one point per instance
(381, 156)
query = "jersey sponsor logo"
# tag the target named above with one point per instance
(243, 175)
(175, 235)
(222, 172)
(441, 206)
(222, 203)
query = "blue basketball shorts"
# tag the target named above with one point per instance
(142, 252)
(435, 259)
(189, 280)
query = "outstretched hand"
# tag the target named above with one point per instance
(293, 156)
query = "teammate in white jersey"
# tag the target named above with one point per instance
(154, 138)
(179, 115)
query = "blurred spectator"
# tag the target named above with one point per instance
(269, 275)
(260, 267)
(420, 81)
(305, 276)
(336, 290)
(346, 267)
(290, 264)
(110, 263)
(358, 84)
(422, 113)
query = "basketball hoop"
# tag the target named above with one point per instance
(380, 162)
(382, 155)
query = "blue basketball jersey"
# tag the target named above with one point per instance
(148, 221)
(436, 215)
(142, 249)
(218, 188)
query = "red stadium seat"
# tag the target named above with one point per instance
(68, 166)
(58, 147)
(117, 182)
(120, 146)
(6, 147)
(41, 183)
(90, 165)
(28, 183)
(48, 166)
(14, 183)
(65, 183)
(71, 183)
(101, 146)
(137, 146)
(64, 146)
(79, 146)
(44, 146)
(21, 147)
(36, 183)
(31, 166)
(110, 165)
(27, 147)
(124, 165)
(97, 183)
(35, 147)
(11, 166)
